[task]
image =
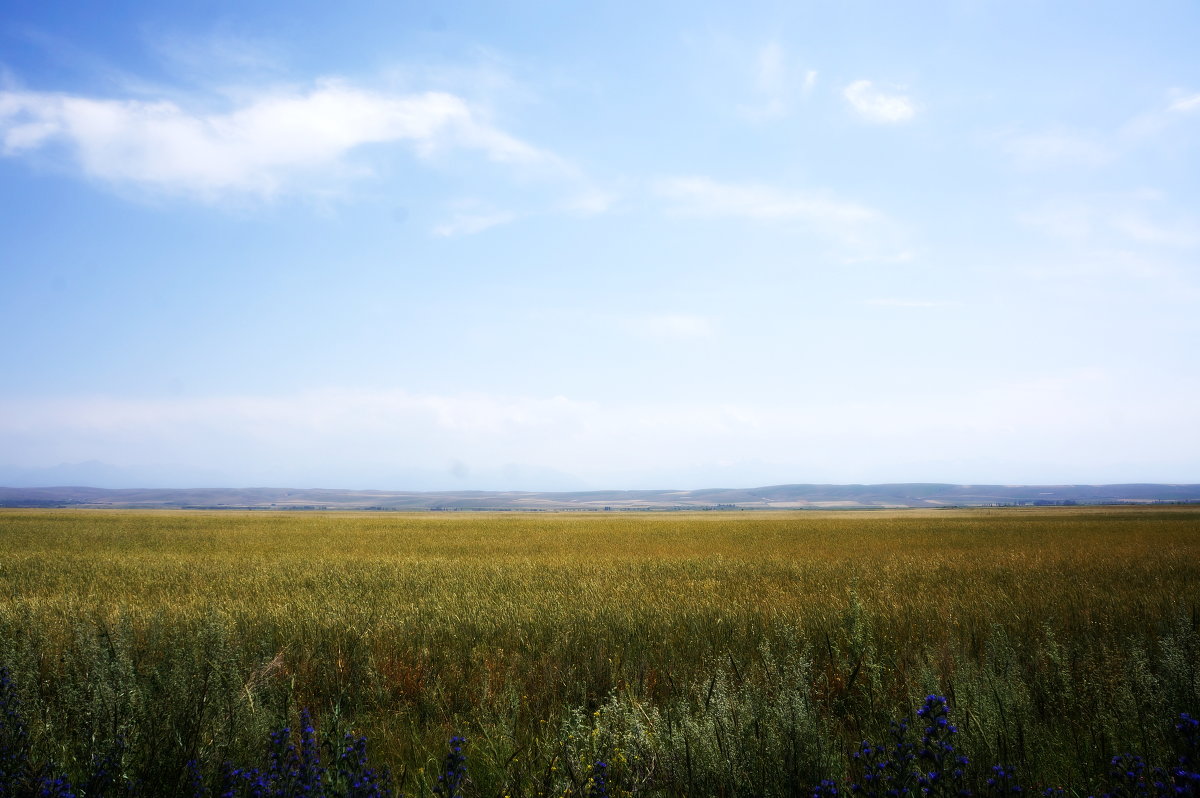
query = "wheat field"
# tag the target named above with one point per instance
(695, 653)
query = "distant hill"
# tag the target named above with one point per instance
(906, 494)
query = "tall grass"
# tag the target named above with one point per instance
(707, 653)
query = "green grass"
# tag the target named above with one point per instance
(729, 640)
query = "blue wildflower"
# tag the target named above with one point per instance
(597, 783)
(1003, 781)
(360, 780)
(55, 787)
(14, 737)
(826, 789)
(454, 770)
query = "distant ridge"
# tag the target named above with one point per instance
(895, 495)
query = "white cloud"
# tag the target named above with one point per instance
(864, 233)
(702, 196)
(1057, 148)
(1060, 147)
(215, 57)
(878, 106)
(776, 83)
(771, 72)
(1144, 229)
(463, 224)
(1065, 220)
(670, 326)
(896, 302)
(267, 145)
(591, 201)
(896, 256)
(1186, 104)
(1142, 218)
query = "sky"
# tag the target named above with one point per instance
(558, 246)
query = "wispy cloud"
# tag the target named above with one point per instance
(470, 223)
(670, 326)
(1058, 148)
(1186, 104)
(471, 216)
(772, 71)
(777, 81)
(896, 302)
(1061, 147)
(215, 57)
(1142, 218)
(877, 105)
(865, 232)
(590, 201)
(269, 144)
(701, 196)
(771, 81)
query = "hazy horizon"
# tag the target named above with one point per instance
(609, 246)
(95, 474)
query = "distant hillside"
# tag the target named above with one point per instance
(908, 494)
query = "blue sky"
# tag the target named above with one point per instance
(543, 245)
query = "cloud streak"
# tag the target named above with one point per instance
(864, 232)
(701, 196)
(1057, 149)
(1140, 219)
(465, 224)
(1186, 104)
(267, 145)
(671, 327)
(777, 83)
(878, 106)
(898, 302)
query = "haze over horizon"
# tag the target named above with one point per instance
(545, 247)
